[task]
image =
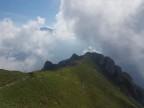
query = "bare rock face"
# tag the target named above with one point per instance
(74, 57)
(109, 66)
(49, 66)
(116, 74)
(68, 62)
(118, 69)
(101, 60)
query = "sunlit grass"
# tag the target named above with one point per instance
(80, 86)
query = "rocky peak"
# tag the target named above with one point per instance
(48, 66)
(46, 29)
(74, 57)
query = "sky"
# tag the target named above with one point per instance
(111, 27)
(23, 10)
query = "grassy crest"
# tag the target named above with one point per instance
(79, 86)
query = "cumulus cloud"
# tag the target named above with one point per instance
(115, 26)
(91, 49)
(23, 47)
(20, 45)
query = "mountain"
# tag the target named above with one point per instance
(46, 29)
(87, 81)
(122, 80)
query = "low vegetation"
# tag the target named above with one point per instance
(79, 86)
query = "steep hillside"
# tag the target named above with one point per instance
(75, 83)
(122, 80)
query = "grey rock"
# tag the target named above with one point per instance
(109, 66)
(49, 66)
(101, 60)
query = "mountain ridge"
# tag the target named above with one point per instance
(78, 82)
(122, 80)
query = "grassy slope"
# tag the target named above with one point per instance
(7, 77)
(81, 86)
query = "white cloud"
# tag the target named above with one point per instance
(116, 26)
(21, 45)
(24, 48)
(91, 49)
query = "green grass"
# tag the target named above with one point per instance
(80, 86)
(7, 77)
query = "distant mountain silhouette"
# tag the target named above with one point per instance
(46, 29)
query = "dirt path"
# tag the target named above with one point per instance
(13, 83)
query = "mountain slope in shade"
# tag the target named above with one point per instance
(78, 82)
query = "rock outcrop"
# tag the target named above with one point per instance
(49, 66)
(69, 62)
